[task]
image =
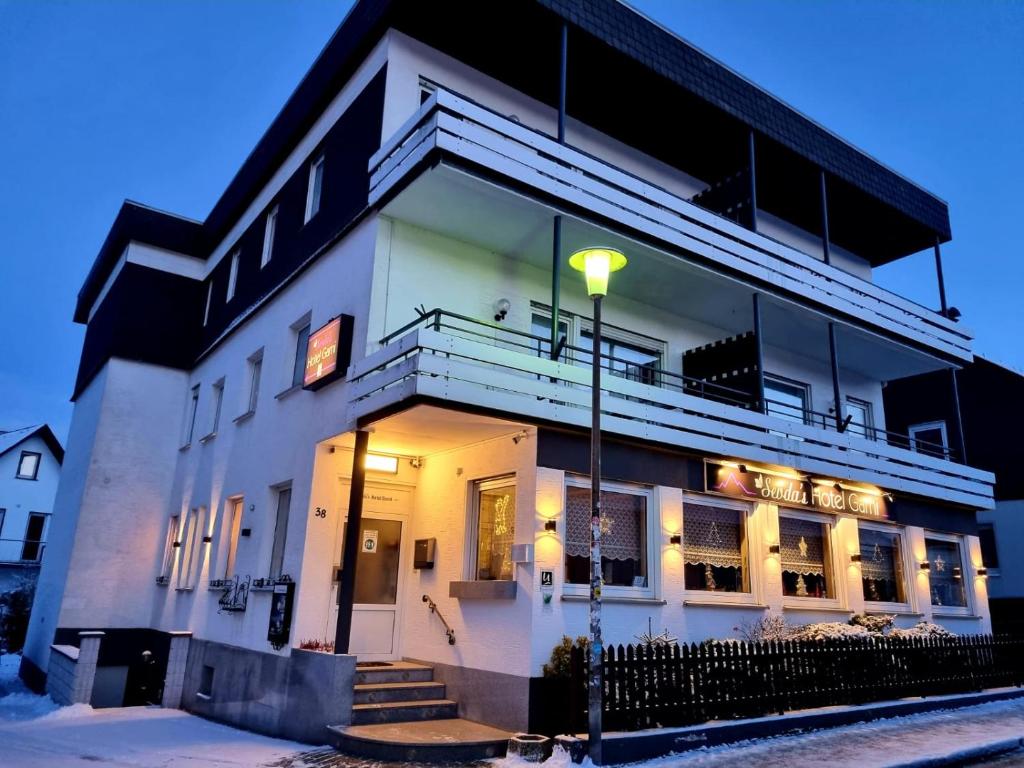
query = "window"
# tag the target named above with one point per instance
(255, 371)
(237, 506)
(540, 325)
(284, 500)
(191, 539)
(3, 514)
(218, 401)
(170, 550)
(631, 359)
(190, 416)
(806, 553)
(315, 188)
(929, 438)
(301, 342)
(209, 298)
(715, 547)
(882, 571)
(946, 572)
(269, 230)
(986, 537)
(28, 465)
(624, 546)
(232, 277)
(786, 399)
(494, 528)
(861, 419)
(32, 547)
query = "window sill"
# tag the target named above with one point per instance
(244, 417)
(184, 589)
(204, 696)
(614, 599)
(946, 615)
(207, 438)
(185, 447)
(724, 604)
(877, 611)
(821, 608)
(284, 393)
(483, 590)
(26, 477)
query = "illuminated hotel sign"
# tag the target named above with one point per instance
(327, 353)
(791, 491)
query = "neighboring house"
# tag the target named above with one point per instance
(992, 439)
(30, 464)
(233, 368)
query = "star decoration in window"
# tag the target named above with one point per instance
(803, 547)
(940, 564)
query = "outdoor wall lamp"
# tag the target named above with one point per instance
(675, 539)
(925, 565)
(376, 462)
(856, 557)
(550, 525)
(743, 469)
(501, 308)
(982, 571)
(774, 549)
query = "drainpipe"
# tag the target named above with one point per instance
(753, 184)
(825, 244)
(762, 406)
(556, 240)
(347, 587)
(938, 274)
(834, 358)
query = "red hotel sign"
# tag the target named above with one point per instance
(327, 353)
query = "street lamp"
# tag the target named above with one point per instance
(596, 264)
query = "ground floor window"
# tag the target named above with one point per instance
(715, 546)
(881, 565)
(624, 526)
(494, 529)
(805, 545)
(946, 572)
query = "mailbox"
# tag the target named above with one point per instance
(423, 553)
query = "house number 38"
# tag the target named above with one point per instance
(320, 512)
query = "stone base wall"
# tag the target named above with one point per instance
(293, 697)
(72, 670)
(494, 698)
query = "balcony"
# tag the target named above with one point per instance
(454, 156)
(444, 357)
(21, 552)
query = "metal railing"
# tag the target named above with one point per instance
(22, 551)
(447, 628)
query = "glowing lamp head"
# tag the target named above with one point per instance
(597, 264)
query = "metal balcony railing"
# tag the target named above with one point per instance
(21, 551)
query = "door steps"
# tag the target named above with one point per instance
(400, 713)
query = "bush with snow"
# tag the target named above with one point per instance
(775, 628)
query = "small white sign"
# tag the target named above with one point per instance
(369, 541)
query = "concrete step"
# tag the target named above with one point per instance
(430, 741)
(394, 672)
(403, 711)
(377, 693)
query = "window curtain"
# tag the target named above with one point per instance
(712, 536)
(802, 546)
(621, 526)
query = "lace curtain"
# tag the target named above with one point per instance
(879, 553)
(622, 518)
(802, 546)
(712, 536)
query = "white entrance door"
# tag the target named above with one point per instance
(381, 566)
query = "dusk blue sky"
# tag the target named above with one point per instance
(161, 102)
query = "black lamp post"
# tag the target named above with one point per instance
(596, 264)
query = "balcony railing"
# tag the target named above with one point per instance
(474, 136)
(21, 551)
(445, 356)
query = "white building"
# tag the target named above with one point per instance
(30, 462)
(413, 186)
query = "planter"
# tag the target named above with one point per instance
(531, 747)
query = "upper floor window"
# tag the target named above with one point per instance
(805, 544)
(625, 550)
(209, 298)
(269, 230)
(171, 547)
(191, 548)
(929, 438)
(787, 399)
(284, 501)
(301, 343)
(315, 188)
(494, 528)
(255, 372)
(218, 401)
(861, 418)
(190, 416)
(946, 571)
(882, 568)
(715, 546)
(236, 505)
(232, 277)
(28, 465)
(633, 358)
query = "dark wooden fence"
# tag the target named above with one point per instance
(674, 685)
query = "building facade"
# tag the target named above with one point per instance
(392, 260)
(30, 463)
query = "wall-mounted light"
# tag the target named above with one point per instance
(838, 486)
(743, 469)
(416, 462)
(376, 462)
(926, 566)
(856, 557)
(207, 539)
(982, 571)
(550, 526)
(175, 544)
(501, 308)
(774, 549)
(675, 539)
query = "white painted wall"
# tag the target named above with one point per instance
(20, 497)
